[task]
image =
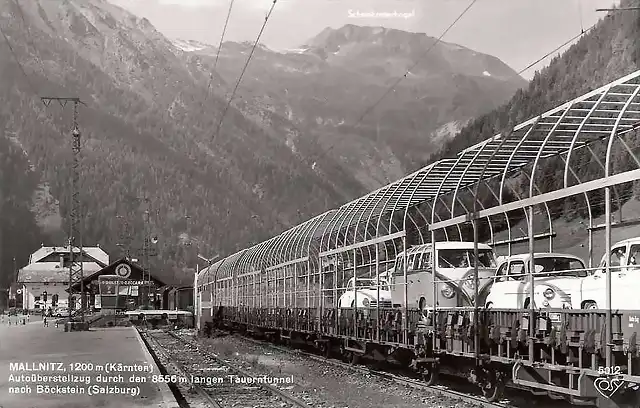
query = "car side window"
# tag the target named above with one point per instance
(410, 262)
(634, 256)
(398, 270)
(418, 263)
(516, 270)
(501, 273)
(423, 260)
(618, 257)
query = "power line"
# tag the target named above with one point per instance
(582, 32)
(29, 39)
(15, 57)
(215, 64)
(266, 19)
(392, 87)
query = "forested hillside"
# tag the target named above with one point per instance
(610, 51)
(148, 130)
(19, 233)
(147, 143)
(325, 86)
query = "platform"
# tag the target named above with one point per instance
(35, 345)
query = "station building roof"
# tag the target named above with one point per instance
(46, 265)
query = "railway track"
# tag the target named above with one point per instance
(417, 384)
(209, 381)
(400, 380)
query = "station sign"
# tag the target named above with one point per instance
(124, 282)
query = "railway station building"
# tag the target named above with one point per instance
(44, 282)
(136, 288)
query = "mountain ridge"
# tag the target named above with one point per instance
(148, 138)
(343, 86)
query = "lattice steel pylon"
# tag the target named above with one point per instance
(76, 273)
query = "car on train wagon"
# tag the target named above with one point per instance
(367, 293)
(625, 279)
(557, 277)
(454, 274)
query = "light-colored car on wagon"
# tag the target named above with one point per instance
(625, 279)
(365, 292)
(557, 278)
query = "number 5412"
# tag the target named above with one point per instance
(615, 370)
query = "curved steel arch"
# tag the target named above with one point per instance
(553, 133)
(552, 124)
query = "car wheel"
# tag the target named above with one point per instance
(489, 305)
(589, 305)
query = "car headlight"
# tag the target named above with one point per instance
(447, 291)
(365, 302)
(549, 293)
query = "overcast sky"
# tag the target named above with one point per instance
(516, 31)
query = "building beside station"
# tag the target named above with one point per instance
(44, 281)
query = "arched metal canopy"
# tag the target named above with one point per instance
(562, 130)
(290, 247)
(205, 276)
(384, 214)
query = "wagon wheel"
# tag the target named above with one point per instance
(344, 354)
(493, 390)
(430, 374)
(324, 349)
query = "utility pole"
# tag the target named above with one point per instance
(189, 243)
(75, 231)
(145, 251)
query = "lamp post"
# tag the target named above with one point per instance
(196, 310)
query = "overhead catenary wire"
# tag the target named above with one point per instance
(215, 63)
(15, 57)
(390, 89)
(235, 89)
(582, 32)
(415, 64)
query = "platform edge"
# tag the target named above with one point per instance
(168, 399)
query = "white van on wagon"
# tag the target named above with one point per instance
(454, 274)
(557, 278)
(625, 279)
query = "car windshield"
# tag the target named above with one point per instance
(371, 284)
(559, 266)
(464, 258)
